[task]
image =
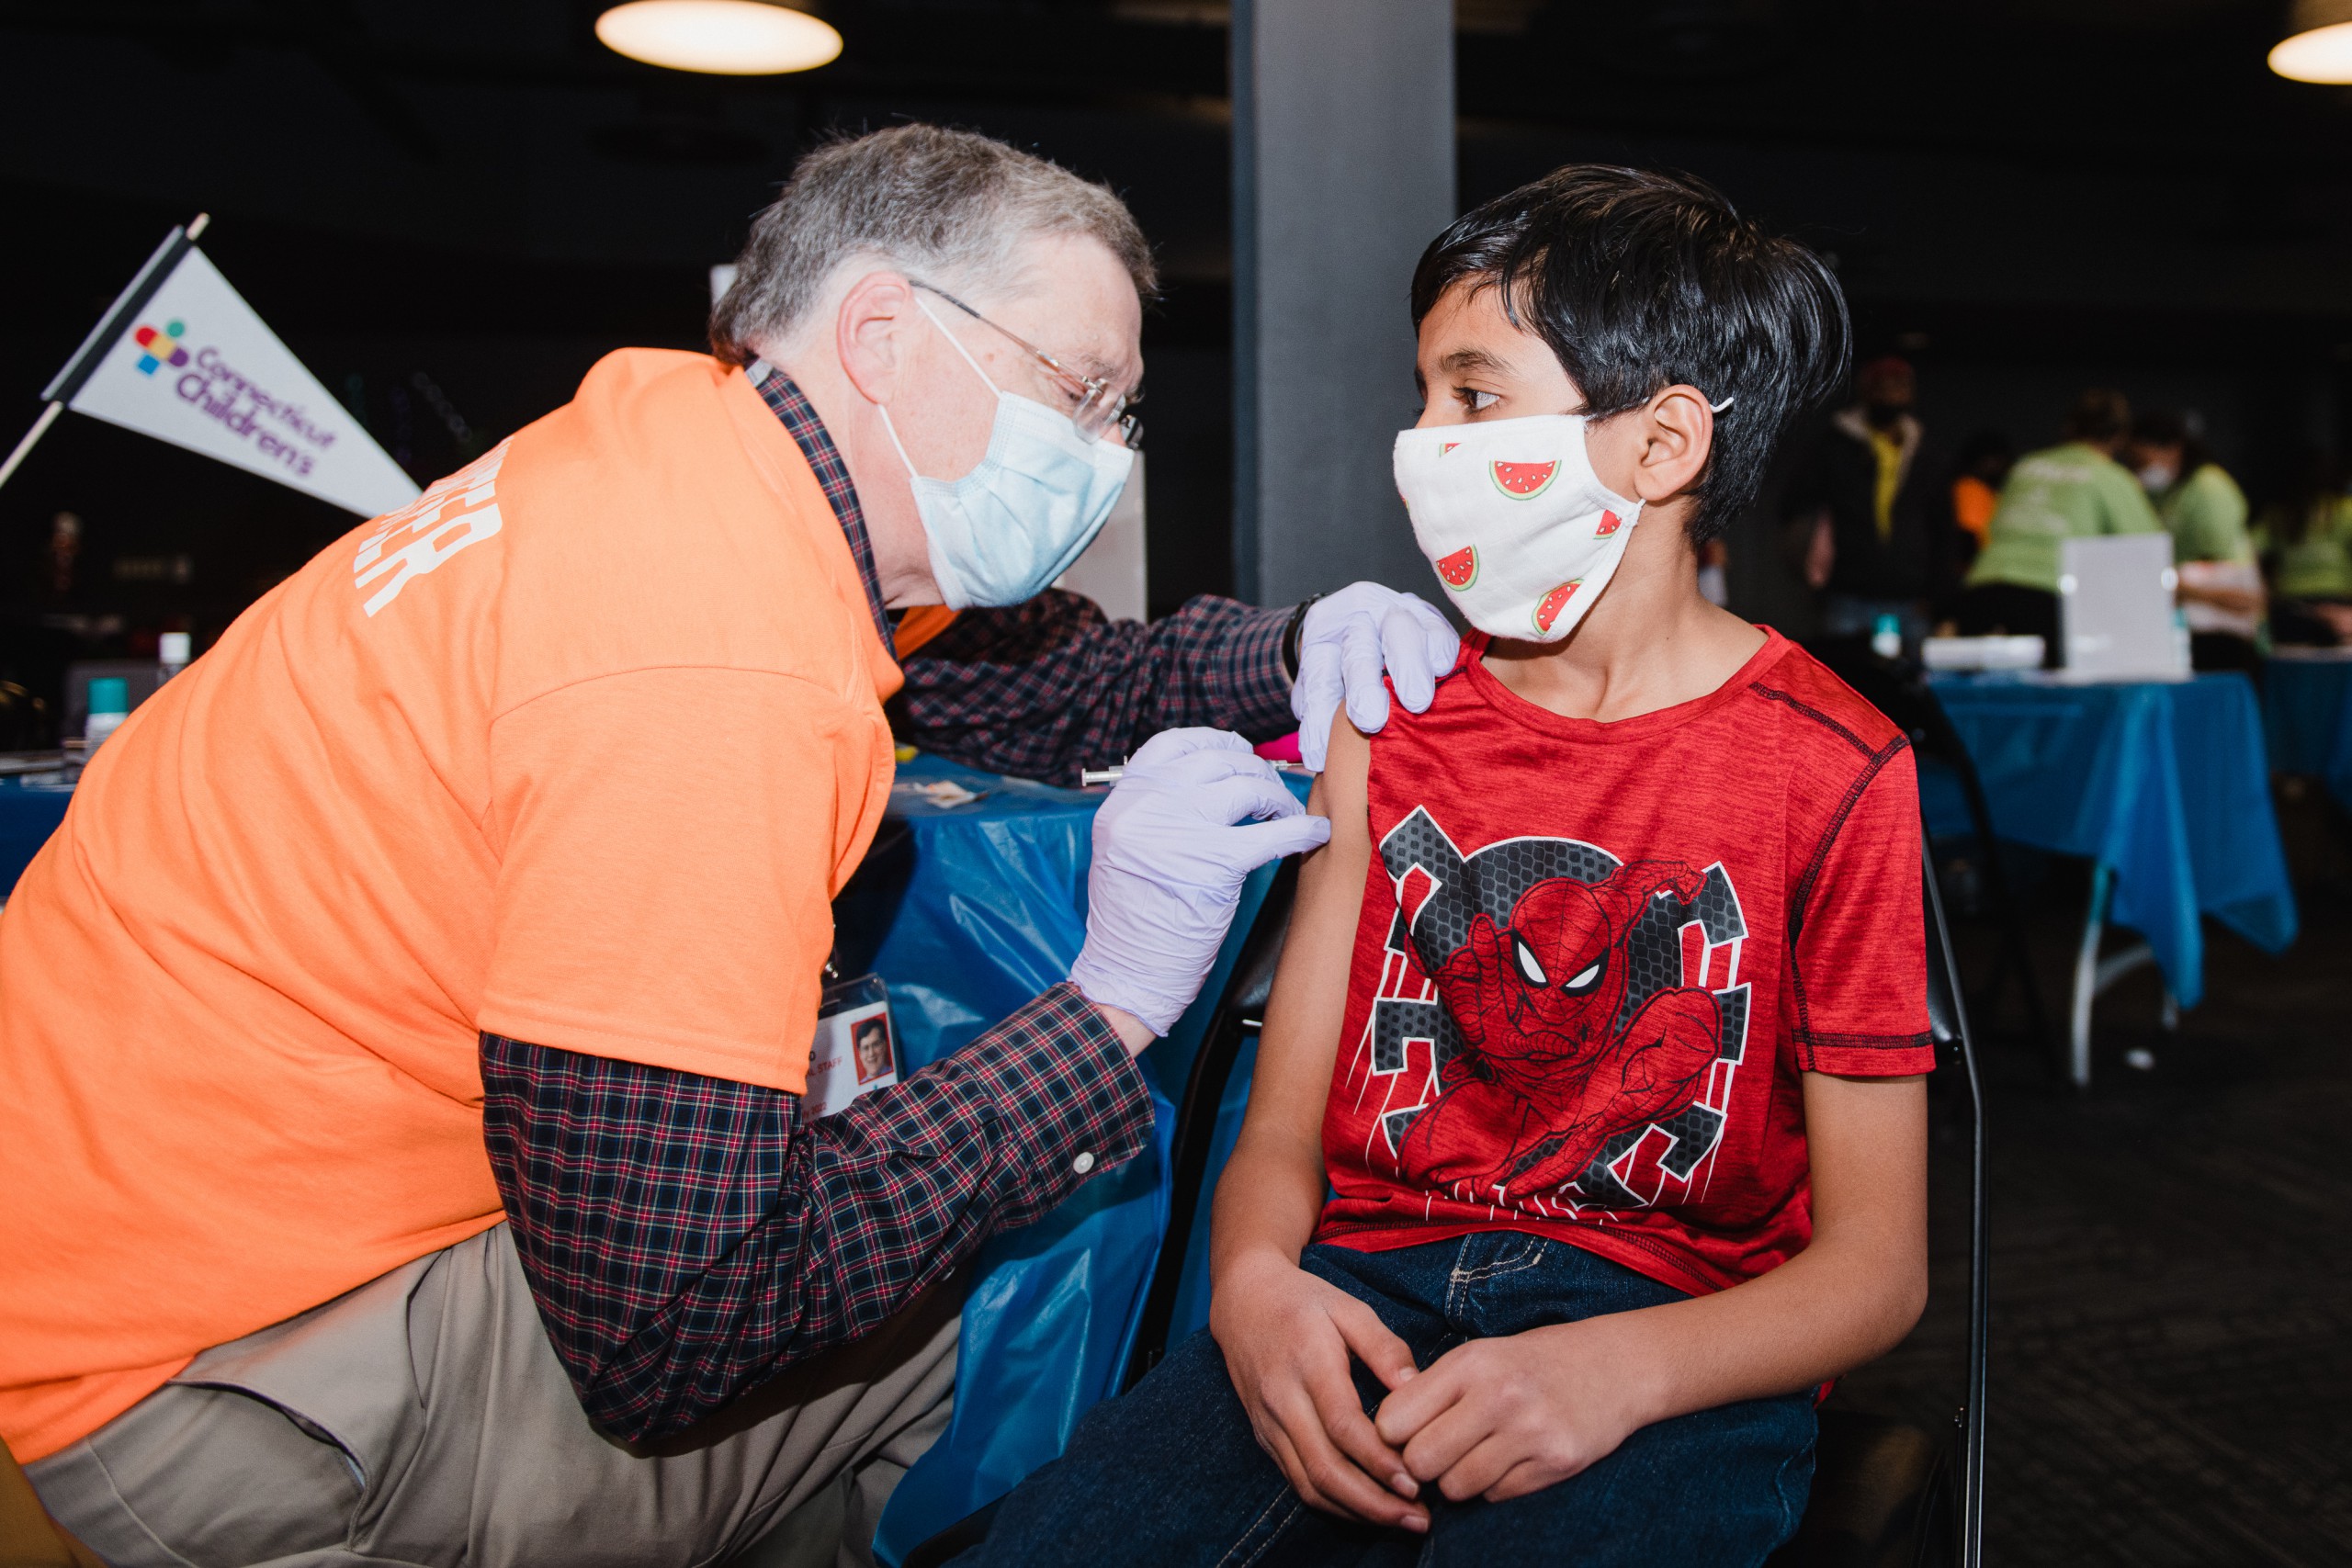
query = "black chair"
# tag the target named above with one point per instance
(1899, 689)
(1885, 1493)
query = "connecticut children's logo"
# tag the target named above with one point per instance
(161, 348)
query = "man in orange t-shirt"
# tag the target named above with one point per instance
(402, 1039)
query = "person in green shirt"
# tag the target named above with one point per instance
(2075, 490)
(2305, 540)
(2203, 510)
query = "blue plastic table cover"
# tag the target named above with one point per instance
(2307, 708)
(2167, 783)
(968, 914)
(31, 805)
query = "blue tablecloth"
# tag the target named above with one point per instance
(31, 805)
(2307, 709)
(2167, 783)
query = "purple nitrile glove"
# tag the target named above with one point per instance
(1347, 638)
(1193, 815)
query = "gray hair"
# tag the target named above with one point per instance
(947, 206)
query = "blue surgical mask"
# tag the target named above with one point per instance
(1003, 531)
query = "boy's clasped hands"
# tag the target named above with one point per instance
(1494, 1418)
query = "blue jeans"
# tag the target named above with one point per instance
(1171, 1474)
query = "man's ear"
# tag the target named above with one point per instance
(872, 329)
(1677, 435)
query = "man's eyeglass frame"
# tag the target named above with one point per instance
(1101, 406)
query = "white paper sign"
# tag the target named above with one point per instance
(196, 367)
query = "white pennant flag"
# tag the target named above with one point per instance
(182, 358)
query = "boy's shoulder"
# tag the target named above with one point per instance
(1832, 714)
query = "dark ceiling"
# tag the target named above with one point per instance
(476, 192)
(1936, 134)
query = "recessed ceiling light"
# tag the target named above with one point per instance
(2318, 45)
(722, 38)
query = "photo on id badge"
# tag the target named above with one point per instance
(855, 1049)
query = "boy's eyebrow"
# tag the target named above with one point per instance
(1473, 359)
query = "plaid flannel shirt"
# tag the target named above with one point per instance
(688, 1237)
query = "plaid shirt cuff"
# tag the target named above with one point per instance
(1071, 1098)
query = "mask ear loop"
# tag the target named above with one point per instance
(958, 345)
(1718, 408)
(953, 342)
(892, 432)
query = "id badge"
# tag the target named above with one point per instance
(855, 1050)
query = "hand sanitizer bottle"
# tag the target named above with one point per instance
(1886, 637)
(109, 705)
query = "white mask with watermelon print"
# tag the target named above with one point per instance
(1522, 533)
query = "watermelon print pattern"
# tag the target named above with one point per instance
(1548, 608)
(1610, 523)
(1460, 570)
(1523, 482)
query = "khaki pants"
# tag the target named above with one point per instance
(423, 1420)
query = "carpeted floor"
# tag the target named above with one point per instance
(2171, 1275)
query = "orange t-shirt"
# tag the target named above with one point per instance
(576, 749)
(1973, 505)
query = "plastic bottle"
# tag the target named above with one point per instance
(2180, 642)
(109, 705)
(173, 651)
(1886, 637)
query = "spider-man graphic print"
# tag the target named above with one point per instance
(1595, 961)
(1543, 990)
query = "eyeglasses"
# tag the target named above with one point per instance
(1101, 407)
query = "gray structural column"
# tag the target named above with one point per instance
(1342, 173)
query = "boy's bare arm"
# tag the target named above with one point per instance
(1502, 1417)
(1278, 1158)
(1288, 1336)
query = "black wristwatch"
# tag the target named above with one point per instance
(1291, 634)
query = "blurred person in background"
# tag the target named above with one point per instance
(2305, 542)
(1862, 502)
(65, 545)
(2073, 490)
(1714, 573)
(2205, 511)
(1979, 471)
(1965, 517)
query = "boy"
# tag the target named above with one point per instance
(1601, 1017)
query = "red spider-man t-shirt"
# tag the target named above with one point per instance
(1594, 959)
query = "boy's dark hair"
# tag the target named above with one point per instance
(1639, 280)
(2099, 414)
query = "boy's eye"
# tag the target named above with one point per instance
(1476, 400)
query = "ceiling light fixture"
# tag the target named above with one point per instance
(2318, 45)
(721, 37)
